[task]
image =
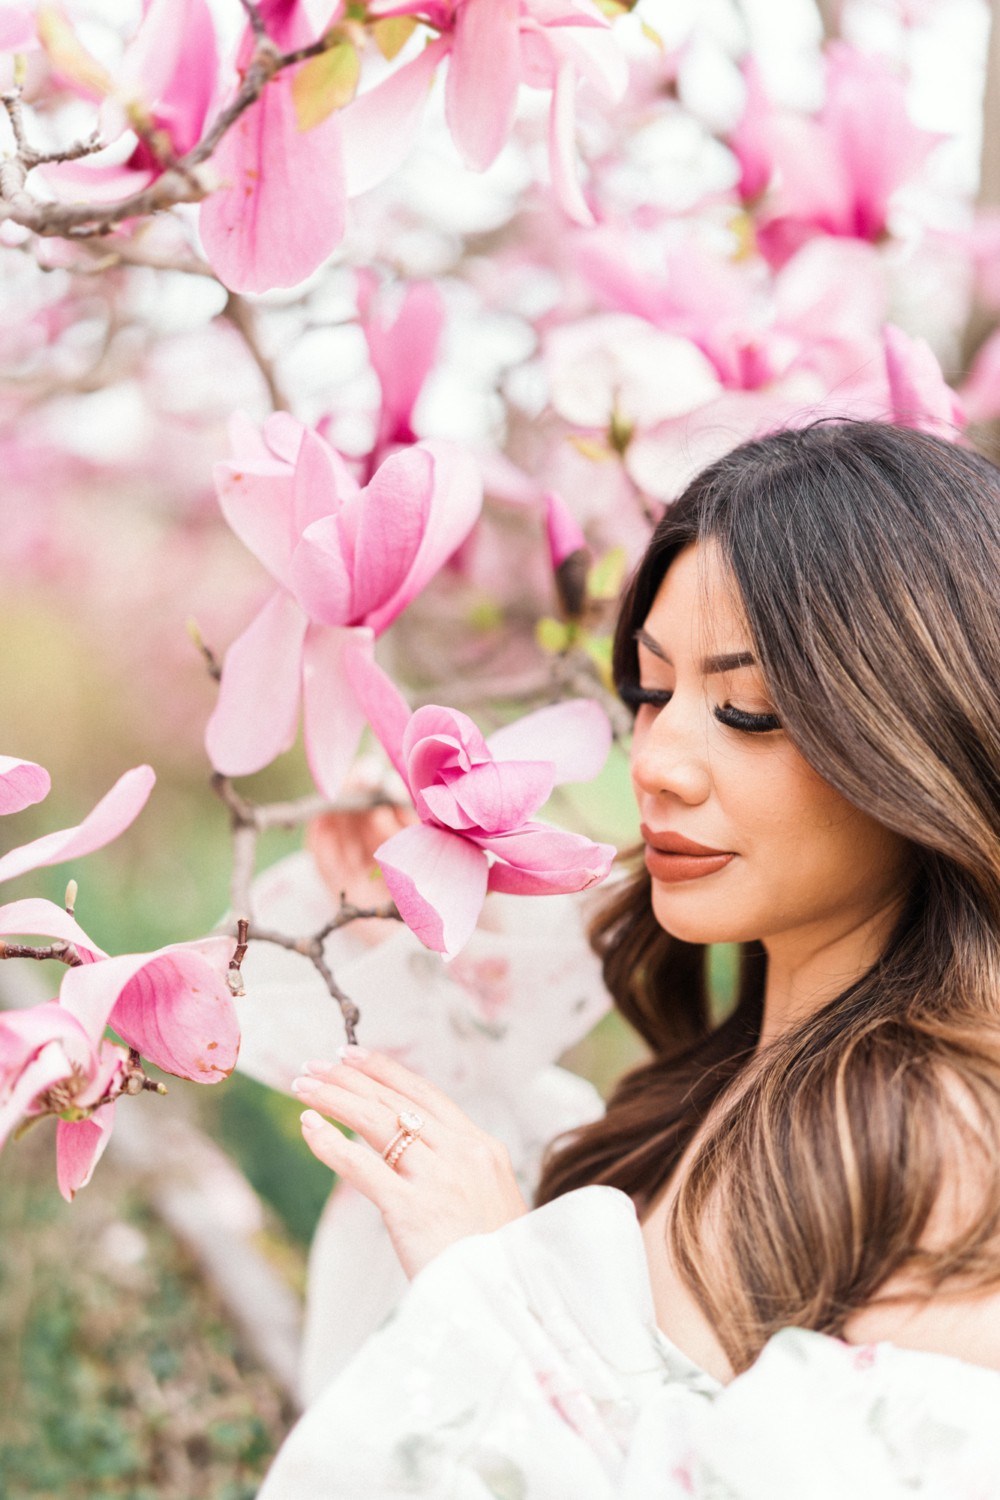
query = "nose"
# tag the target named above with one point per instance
(669, 759)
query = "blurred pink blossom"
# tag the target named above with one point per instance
(834, 173)
(562, 530)
(402, 353)
(347, 561)
(493, 46)
(920, 395)
(476, 798)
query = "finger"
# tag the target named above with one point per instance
(371, 1118)
(355, 1081)
(354, 1164)
(393, 1075)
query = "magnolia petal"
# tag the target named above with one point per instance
(112, 815)
(25, 1033)
(22, 783)
(562, 147)
(257, 500)
(41, 918)
(80, 1145)
(484, 72)
(380, 127)
(384, 706)
(334, 719)
(438, 881)
(49, 1067)
(539, 861)
(502, 795)
(276, 176)
(575, 736)
(921, 397)
(322, 479)
(176, 1009)
(402, 354)
(455, 502)
(257, 714)
(391, 527)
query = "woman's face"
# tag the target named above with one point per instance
(744, 840)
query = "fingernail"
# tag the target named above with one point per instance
(353, 1053)
(305, 1085)
(310, 1118)
(318, 1067)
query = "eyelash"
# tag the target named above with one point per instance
(734, 718)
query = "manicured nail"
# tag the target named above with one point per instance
(305, 1085)
(310, 1119)
(318, 1067)
(353, 1053)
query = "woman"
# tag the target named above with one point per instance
(812, 648)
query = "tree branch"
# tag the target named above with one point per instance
(61, 952)
(312, 948)
(240, 314)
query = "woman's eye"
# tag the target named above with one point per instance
(738, 718)
(635, 695)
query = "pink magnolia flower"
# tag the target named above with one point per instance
(476, 799)
(173, 1006)
(402, 353)
(836, 173)
(280, 211)
(164, 85)
(168, 75)
(346, 560)
(493, 47)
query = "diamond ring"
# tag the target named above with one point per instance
(410, 1126)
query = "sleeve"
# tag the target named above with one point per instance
(516, 1365)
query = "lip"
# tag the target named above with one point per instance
(672, 858)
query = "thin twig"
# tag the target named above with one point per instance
(312, 948)
(63, 953)
(240, 314)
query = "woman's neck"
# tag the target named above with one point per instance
(810, 966)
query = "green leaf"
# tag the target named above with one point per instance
(552, 635)
(652, 35)
(325, 83)
(393, 33)
(605, 578)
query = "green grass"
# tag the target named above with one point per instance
(120, 1375)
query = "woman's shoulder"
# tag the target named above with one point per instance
(817, 1416)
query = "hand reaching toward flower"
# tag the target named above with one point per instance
(451, 1181)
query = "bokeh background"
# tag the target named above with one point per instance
(122, 1371)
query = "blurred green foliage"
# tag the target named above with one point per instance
(260, 1130)
(120, 1376)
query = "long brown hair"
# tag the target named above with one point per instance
(867, 561)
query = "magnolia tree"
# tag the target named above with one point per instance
(560, 253)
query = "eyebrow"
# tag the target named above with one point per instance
(729, 662)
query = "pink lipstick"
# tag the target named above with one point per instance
(672, 858)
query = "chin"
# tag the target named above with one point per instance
(694, 916)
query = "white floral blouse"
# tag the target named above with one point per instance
(527, 1365)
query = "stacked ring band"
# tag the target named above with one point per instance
(410, 1126)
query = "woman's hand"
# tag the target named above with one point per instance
(452, 1180)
